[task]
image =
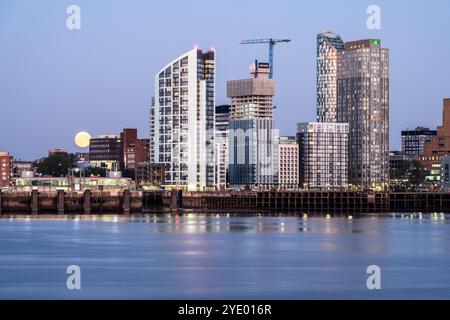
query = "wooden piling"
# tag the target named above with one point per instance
(126, 202)
(60, 201)
(87, 202)
(180, 199)
(174, 200)
(34, 202)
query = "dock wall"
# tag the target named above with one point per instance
(126, 202)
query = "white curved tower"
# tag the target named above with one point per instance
(182, 121)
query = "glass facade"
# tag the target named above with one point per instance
(52, 184)
(253, 153)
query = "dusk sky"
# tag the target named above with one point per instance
(55, 82)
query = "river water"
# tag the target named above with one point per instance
(224, 257)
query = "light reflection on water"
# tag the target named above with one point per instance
(224, 257)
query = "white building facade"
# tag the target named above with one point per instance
(182, 121)
(288, 163)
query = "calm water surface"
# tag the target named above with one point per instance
(223, 257)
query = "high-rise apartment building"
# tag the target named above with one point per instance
(253, 151)
(323, 152)
(288, 163)
(436, 149)
(413, 141)
(329, 45)
(6, 169)
(363, 103)
(182, 121)
(221, 142)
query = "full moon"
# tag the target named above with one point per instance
(82, 139)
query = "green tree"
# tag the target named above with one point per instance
(55, 165)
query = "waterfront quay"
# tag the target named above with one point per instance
(159, 201)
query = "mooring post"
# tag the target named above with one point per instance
(180, 199)
(34, 202)
(174, 200)
(87, 202)
(60, 201)
(126, 202)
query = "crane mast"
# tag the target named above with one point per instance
(272, 42)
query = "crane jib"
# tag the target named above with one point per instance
(272, 42)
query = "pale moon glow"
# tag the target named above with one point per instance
(82, 139)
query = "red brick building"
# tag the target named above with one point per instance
(133, 150)
(6, 169)
(438, 147)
